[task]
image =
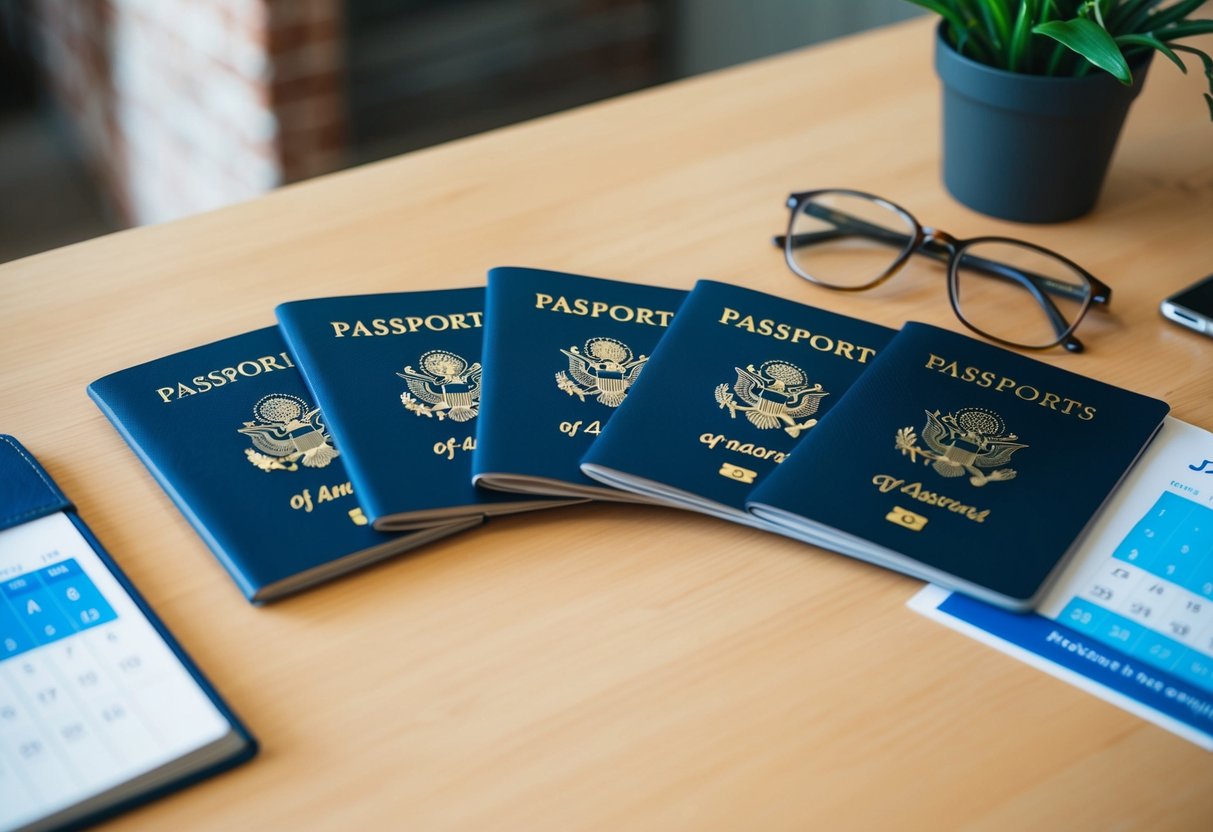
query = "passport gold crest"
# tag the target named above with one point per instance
(285, 432)
(605, 371)
(446, 387)
(963, 442)
(774, 395)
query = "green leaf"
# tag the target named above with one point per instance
(944, 10)
(1055, 57)
(997, 22)
(1089, 39)
(1128, 16)
(1153, 43)
(961, 30)
(1207, 62)
(1097, 9)
(1019, 40)
(1184, 30)
(1204, 59)
(1171, 14)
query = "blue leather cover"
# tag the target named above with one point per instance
(27, 492)
(399, 375)
(1004, 458)
(738, 378)
(232, 434)
(561, 352)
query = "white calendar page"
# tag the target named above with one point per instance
(1142, 581)
(1131, 617)
(94, 706)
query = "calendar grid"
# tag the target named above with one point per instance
(1153, 598)
(47, 605)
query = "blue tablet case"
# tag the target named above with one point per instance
(27, 493)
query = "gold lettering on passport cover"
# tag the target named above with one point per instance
(720, 441)
(285, 432)
(605, 370)
(451, 446)
(406, 324)
(914, 490)
(445, 387)
(794, 335)
(303, 500)
(906, 519)
(1002, 384)
(601, 309)
(218, 378)
(963, 442)
(571, 429)
(774, 395)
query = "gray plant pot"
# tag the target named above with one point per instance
(1028, 148)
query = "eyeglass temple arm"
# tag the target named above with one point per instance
(847, 225)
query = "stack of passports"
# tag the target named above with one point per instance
(737, 381)
(923, 451)
(235, 438)
(562, 354)
(399, 376)
(961, 463)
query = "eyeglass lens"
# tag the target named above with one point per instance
(1007, 290)
(847, 241)
(1016, 293)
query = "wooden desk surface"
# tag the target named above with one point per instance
(612, 667)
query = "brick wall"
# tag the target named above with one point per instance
(181, 106)
(307, 90)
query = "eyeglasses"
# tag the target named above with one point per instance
(1010, 291)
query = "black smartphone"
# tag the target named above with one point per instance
(1192, 307)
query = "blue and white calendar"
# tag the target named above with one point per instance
(95, 707)
(1131, 618)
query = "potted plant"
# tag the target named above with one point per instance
(1036, 91)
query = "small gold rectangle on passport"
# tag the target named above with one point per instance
(904, 517)
(736, 472)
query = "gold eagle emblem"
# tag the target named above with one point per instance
(774, 395)
(286, 431)
(963, 442)
(446, 387)
(605, 371)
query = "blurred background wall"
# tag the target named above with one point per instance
(123, 112)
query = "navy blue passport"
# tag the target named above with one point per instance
(961, 463)
(561, 353)
(399, 376)
(232, 434)
(738, 379)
